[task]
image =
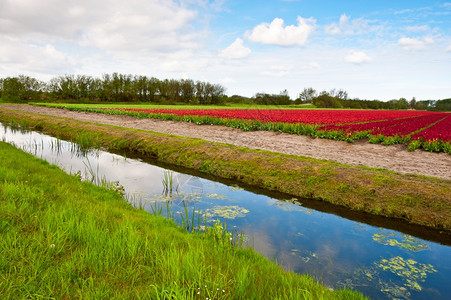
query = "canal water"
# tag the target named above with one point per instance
(380, 262)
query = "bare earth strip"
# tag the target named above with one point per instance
(395, 157)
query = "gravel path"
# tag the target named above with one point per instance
(395, 157)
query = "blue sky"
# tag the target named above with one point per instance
(373, 49)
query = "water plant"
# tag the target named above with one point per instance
(409, 270)
(404, 241)
(226, 212)
(168, 183)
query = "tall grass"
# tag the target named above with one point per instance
(65, 238)
(168, 183)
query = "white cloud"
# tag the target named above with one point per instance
(332, 29)
(418, 28)
(414, 43)
(448, 49)
(350, 27)
(18, 57)
(278, 71)
(236, 50)
(116, 26)
(357, 57)
(314, 65)
(278, 34)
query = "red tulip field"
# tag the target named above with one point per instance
(419, 129)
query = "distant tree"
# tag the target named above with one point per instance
(402, 103)
(413, 103)
(272, 99)
(443, 105)
(22, 88)
(341, 94)
(201, 92)
(307, 95)
(187, 90)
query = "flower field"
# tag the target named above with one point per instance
(430, 131)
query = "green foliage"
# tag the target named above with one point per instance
(111, 88)
(431, 146)
(271, 99)
(21, 89)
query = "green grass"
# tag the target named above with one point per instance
(63, 238)
(171, 106)
(357, 188)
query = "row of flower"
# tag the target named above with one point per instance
(312, 117)
(430, 131)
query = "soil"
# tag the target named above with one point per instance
(395, 157)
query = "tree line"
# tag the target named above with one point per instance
(117, 87)
(339, 99)
(110, 88)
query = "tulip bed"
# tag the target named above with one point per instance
(430, 131)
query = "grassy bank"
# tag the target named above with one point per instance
(63, 238)
(148, 105)
(415, 199)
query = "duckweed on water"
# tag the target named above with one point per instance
(177, 197)
(216, 196)
(226, 212)
(405, 241)
(408, 269)
(408, 276)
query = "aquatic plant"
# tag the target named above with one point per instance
(406, 241)
(409, 270)
(226, 212)
(168, 182)
(215, 196)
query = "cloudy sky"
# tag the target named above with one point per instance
(372, 49)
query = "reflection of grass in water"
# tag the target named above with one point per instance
(292, 204)
(168, 183)
(226, 212)
(235, 188)
(405, 241)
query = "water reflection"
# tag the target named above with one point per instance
(381, 263)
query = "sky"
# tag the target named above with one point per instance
(372, 49)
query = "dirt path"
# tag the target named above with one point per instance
(395, 157)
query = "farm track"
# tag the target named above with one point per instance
(395, 158)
